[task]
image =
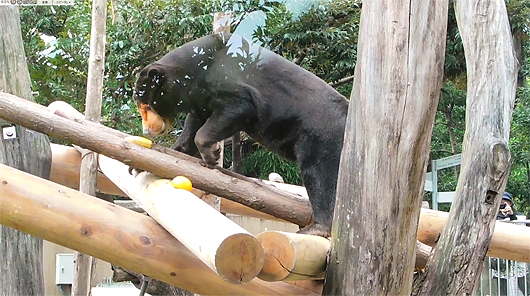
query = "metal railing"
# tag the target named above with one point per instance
(504, 277)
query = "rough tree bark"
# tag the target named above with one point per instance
(454, 268)
(380, 187)
(83, 267)
(21, 253)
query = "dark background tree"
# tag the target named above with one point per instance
(21, 270)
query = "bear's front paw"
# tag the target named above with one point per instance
(134, 171)
(211, 155)
(206, 165)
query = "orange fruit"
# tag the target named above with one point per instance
(182, 182)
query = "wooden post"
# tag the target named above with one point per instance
(491, 85)
(21, 270)
(397, 82)
(220, 25)
(225, 247)
(113, 234)
(237, 164)
(83, 264)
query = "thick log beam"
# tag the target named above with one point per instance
(162, 161)
(228, 249)
(134, 241)
(507, 242)
(66, 165)
(292, 256)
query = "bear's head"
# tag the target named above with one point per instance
(154, 99)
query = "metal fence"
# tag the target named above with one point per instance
(504, 277)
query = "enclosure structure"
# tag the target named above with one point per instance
(389, 155)
(140, 240)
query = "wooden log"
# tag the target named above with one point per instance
(113, 234)
(225, 247)
(293, 256)
(422, 255)
(107, 141)
(65, 110)
(65, 171)
(232, 207)
(66, 163)
(506, 242)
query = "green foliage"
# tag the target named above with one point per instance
(450, 116)
(519, 181)
(261, 163)
(328, 33)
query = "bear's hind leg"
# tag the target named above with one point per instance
(320, 180)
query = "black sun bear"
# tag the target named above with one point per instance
(226, 85)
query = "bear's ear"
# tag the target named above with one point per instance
(156, 75)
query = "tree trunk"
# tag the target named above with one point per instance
(396, 88)
(237, 164)
(21, 263)
(83, 272)
(448, 113)
(454, 268)
(527, 165)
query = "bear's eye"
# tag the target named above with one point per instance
(154, 102)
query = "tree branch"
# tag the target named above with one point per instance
(302, 53)
(341, 81)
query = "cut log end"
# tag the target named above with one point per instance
(279, 256)
(239, 258)
(292, 256)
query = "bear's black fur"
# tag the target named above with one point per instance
(227, 85)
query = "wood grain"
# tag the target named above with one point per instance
(397, 81)
(113, 234)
